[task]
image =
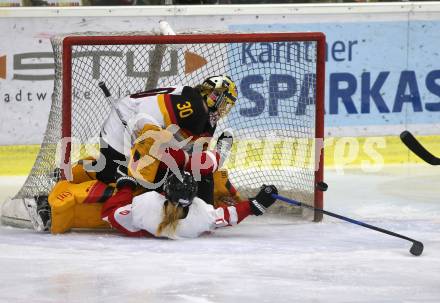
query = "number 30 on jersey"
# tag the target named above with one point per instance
(185, 109)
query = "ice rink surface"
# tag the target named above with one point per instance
(265, 259)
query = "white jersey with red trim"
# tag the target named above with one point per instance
(148, 209)
(145, 213)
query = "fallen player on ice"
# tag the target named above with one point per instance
(77, 201)
(177, 212)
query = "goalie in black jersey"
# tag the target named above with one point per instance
(133, 139)
(141, 125)
(128, 134)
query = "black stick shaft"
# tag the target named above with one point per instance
(414, 145)
(328, 213)
(108, 95)
(104, 89)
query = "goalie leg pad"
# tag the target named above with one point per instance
(75, 205)
(224, 192)
(62, 204)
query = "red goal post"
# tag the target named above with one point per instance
(280, 108)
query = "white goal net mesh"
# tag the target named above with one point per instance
(273, 121)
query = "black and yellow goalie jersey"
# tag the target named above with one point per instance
(182, 106)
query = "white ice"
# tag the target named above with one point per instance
(265, 259)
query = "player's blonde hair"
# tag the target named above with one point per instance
(170, 219)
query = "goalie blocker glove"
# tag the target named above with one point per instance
(123, 179)
(263, 200)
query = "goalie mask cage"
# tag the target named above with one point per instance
(278, 120)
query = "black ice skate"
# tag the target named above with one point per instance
(39, 212)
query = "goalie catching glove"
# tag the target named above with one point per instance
(263, 199)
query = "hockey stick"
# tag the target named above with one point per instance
(109, 98)
(414, 145)
(416, 248)
(112, 102)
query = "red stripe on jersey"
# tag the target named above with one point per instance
(122, 229)
(95, 192)
(187, 134)
(243, 210)
(123, 197)
(227, 216)
(170, 109)
(179, 155)
(203, 163)
(153, 92)
(232, 190)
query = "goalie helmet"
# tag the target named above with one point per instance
(220, 94)
(180, 192)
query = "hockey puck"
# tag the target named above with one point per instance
(322, 186)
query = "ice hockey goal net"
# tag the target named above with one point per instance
(277, 122)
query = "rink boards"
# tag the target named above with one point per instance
(18, 159)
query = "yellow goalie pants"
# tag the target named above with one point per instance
(78, 205)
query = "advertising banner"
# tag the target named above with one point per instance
(382, 73)
(381, 76)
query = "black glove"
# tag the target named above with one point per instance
(263, 199)
(123, 179)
